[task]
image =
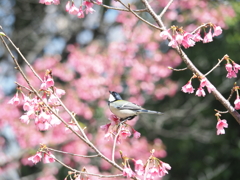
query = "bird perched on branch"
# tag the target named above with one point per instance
(125, 110)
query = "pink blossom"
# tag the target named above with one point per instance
(228, 67)
(114, 119)
(47, 83)
(221, 124)
(36, 158)
(197, 36)
(173, 43)
(188, 40)
(80, 13)
(48, 158)
(89, 6)
(200, 92)
(68, 6)
(89, 10)
(73, 10)
(42, 121)
(217, 30)
(108, 136)
(204, 82)
(139, 167)
(164, 34)
(54, 120)
(237, 103)
(25, 119)
(136, 134)
(105, 127)
(208, 37)
(236, 67)
(179, 38)
(153, 173)
(187, 88)
(46, 2)
(99, 2)
(231, 74)
(125, 133)
(15, 100)
(128, 172)
(164, 168)
(56, 2)
(59, 92)
(49, 2)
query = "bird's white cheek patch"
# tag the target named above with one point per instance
(111, 98)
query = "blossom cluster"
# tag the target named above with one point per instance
(79, 12)
(180, 37)
(49, 2)
(47, 157)
(188, 88)
(35, 107)
(232, 69)
(111, 129)
(152, 169)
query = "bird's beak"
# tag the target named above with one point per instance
(110, 92)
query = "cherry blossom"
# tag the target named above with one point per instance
(36, 158)
(15, 100)
(139, 167)
(208, 37)
(127, 171)
(237, 103)
(188, 88)
(221, 124)
(48, 157)
(200, 92)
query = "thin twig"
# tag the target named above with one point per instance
(221, 112)
(118, 9)
(24, 87)
(34, 72)
(230, 96)
(139, 17)
(219, 62)
(199, 27)
(165, 9)
(73, 118)
(183, 69)
(115, 141)
(72, 153)
(83, 172)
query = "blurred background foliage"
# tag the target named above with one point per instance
(187, 128)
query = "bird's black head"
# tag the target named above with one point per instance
(114, 96)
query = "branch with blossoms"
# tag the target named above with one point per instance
(178, 37)
(42, 106)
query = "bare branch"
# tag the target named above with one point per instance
(165, 9)
(129, 8)
(72, 153)
(118, 9)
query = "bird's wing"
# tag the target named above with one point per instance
(128, 105)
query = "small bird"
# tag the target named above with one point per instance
(125, 110)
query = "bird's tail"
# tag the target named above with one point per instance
(145, 111)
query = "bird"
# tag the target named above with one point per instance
(126, 110)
